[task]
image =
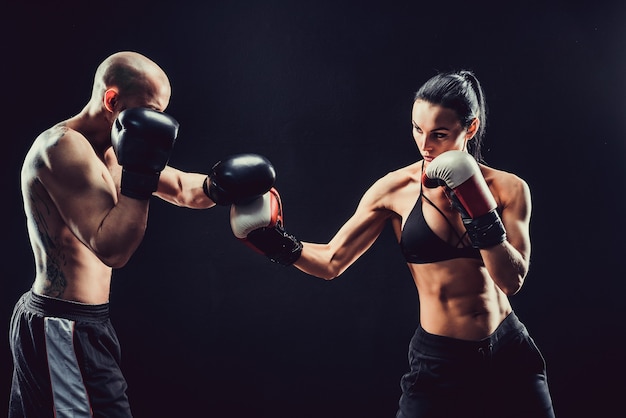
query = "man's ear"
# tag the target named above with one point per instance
(110, 99)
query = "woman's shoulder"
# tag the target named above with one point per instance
(501, 176)
(405, 173)
(386, 187)
(399, 177)
(505, 185)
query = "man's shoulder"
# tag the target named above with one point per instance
(59, 139)
(53, 135)
(57, 146)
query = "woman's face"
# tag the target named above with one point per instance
(437, 129)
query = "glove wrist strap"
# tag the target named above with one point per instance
(486, 230)
(139, 185)
(279, 246)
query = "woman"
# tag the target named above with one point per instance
(463, 228)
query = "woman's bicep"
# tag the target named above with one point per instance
(516, 219)
(354, 238)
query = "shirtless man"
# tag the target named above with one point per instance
(86, 186)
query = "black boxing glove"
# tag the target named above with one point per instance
(142, 140)
(239, 179)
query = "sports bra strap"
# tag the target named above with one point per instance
(460, 237)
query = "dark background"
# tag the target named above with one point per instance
(324, 90)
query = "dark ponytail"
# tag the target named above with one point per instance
(460, 91)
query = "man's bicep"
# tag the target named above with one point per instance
(83, 193)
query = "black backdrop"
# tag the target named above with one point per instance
(324, 89)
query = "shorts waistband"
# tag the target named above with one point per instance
(509, 328)
(59, 308)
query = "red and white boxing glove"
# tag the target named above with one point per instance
(459, 174)
(259, 224)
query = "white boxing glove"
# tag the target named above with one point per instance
(460, 175)
(259, 224)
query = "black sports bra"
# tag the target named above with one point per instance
(420, 245)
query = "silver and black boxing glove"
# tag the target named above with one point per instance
(460, 176)
(259, 224)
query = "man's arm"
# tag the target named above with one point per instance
(235, 179)
(183, 189)
(85, 195)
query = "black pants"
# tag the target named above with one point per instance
(66, 361)
(502, 376)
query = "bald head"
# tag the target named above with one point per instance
(135, 77)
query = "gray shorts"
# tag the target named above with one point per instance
(66, 360)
